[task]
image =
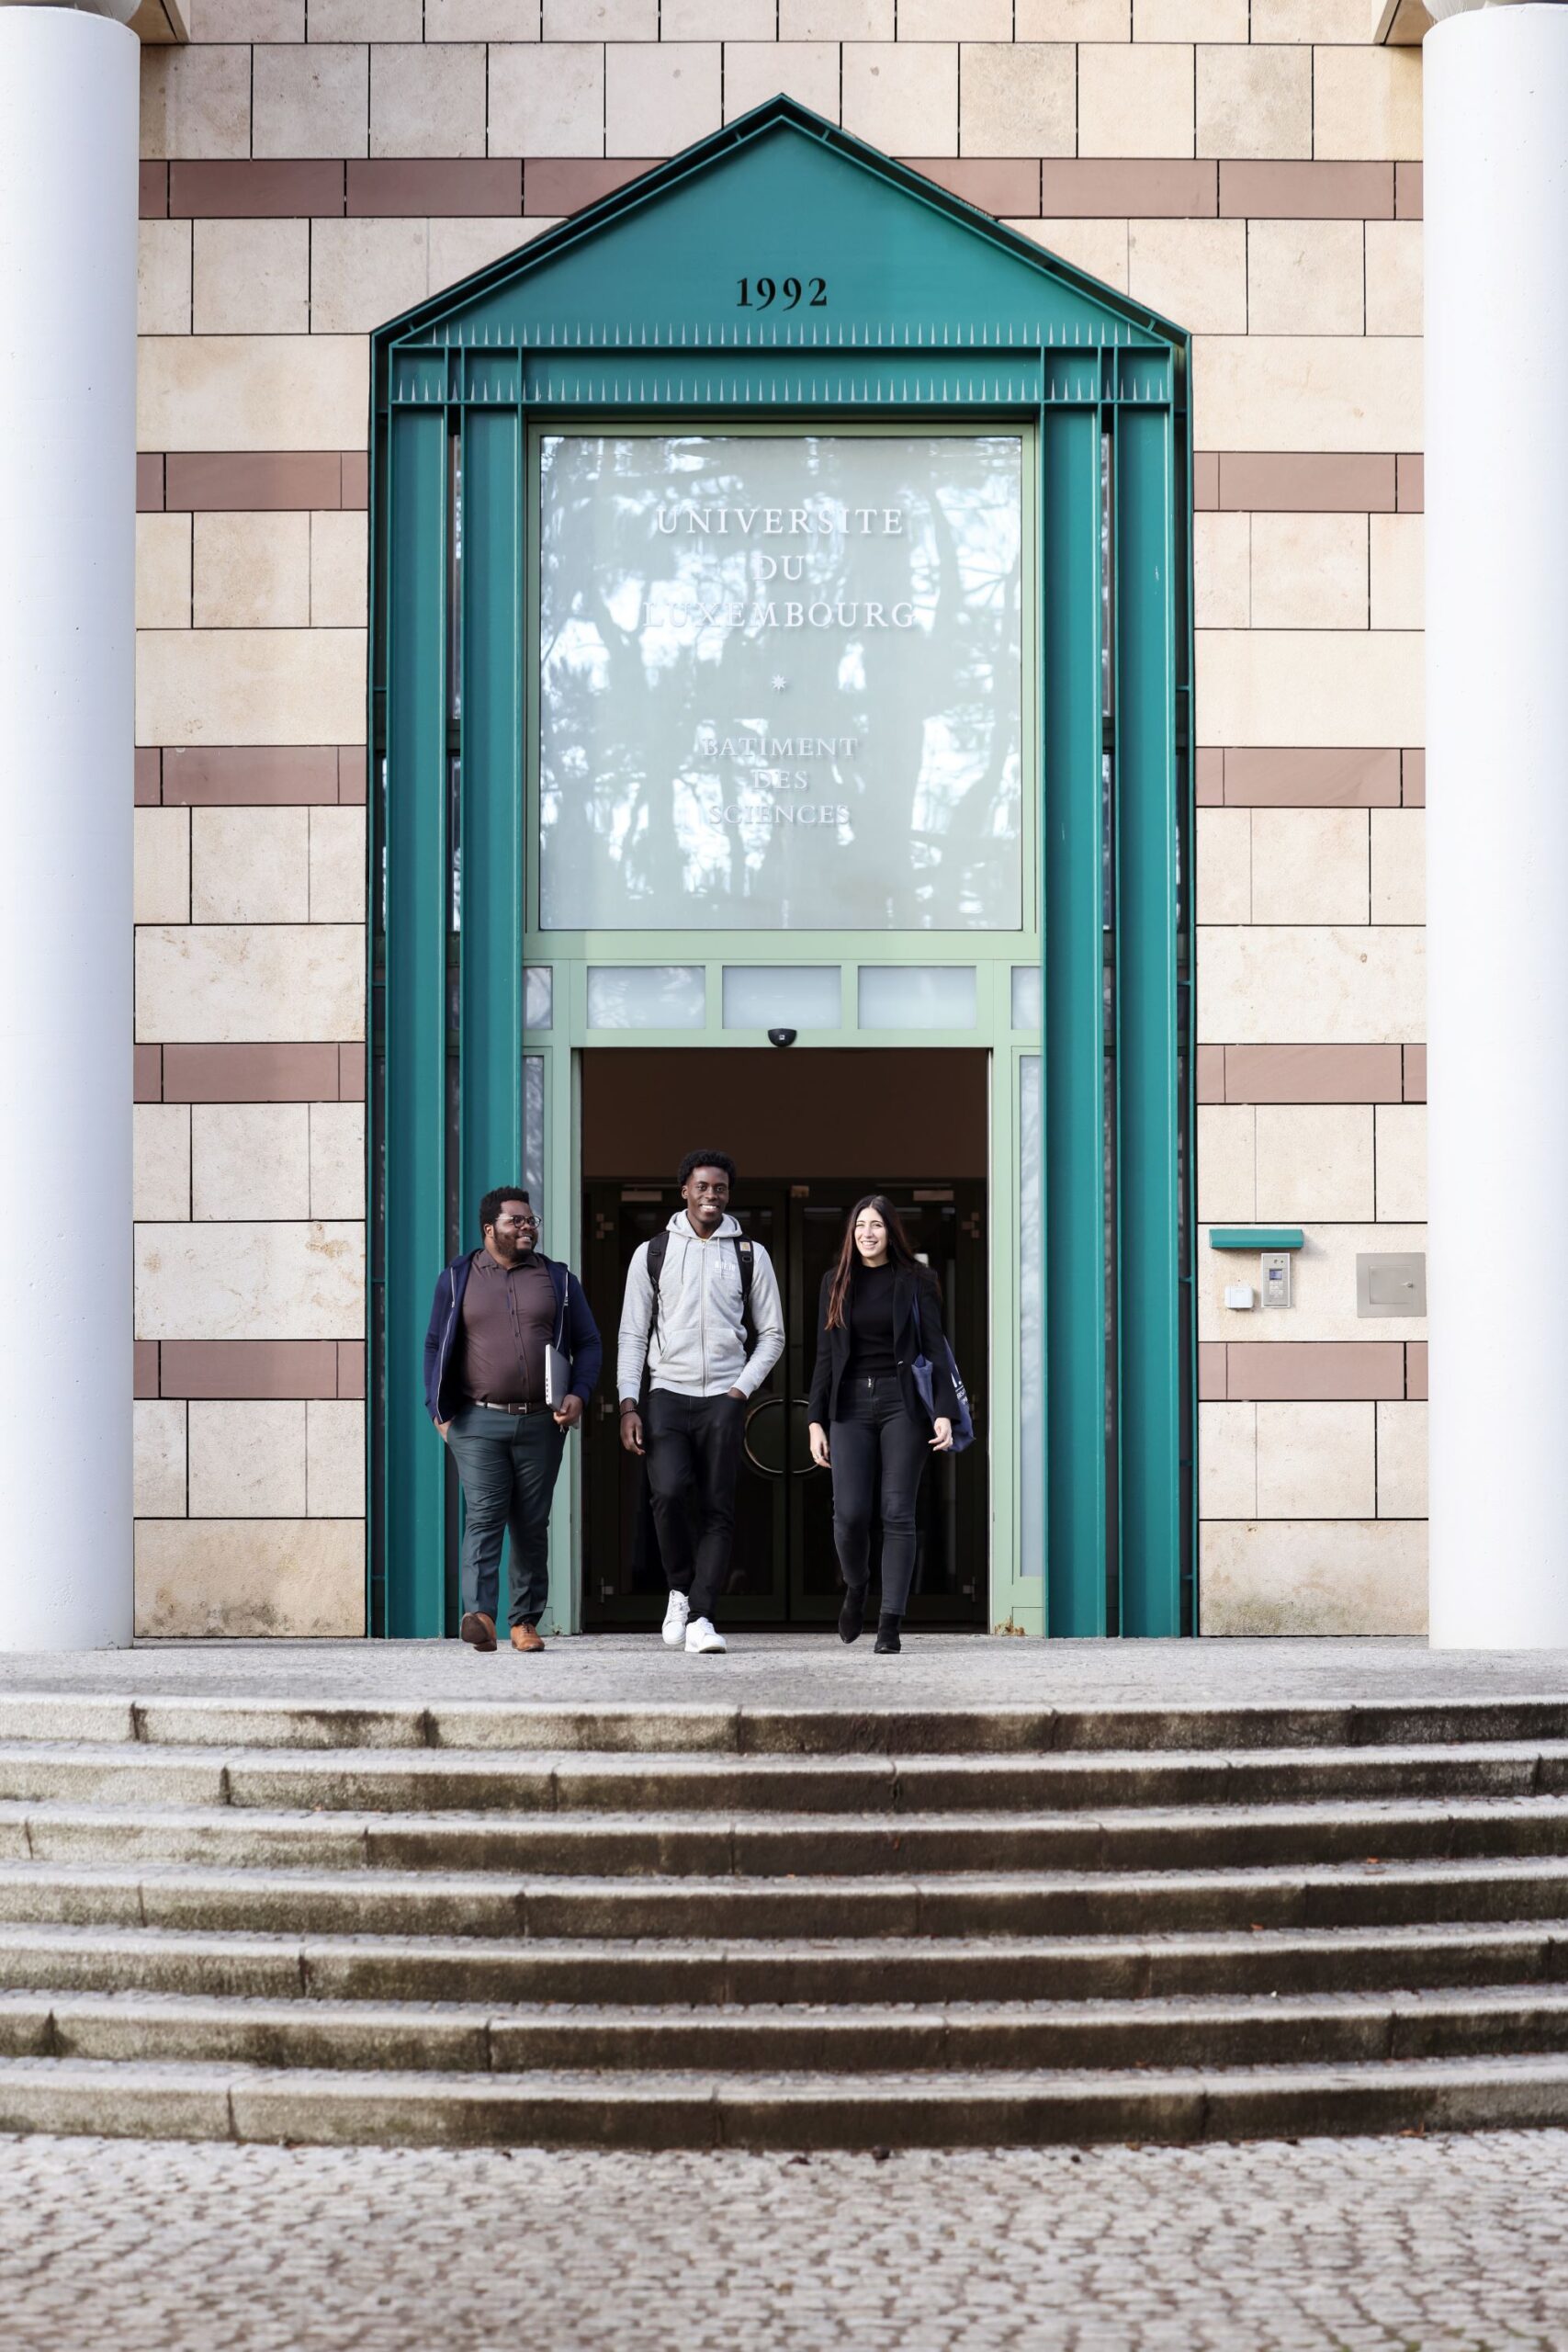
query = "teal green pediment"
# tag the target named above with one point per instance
(885, 260)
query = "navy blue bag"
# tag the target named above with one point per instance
(925, 1383)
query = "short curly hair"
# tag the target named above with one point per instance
(706, 1159)
(493, 1202)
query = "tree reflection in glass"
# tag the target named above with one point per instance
(781, 682)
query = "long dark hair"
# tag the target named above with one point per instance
(899, 1254)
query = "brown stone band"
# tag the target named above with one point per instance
(285, 1072)
(1270, 777)
(327, 1073)
(1288, 481)
(248, 1368)
(1236, 1371)
(1311, 1073)
(1311, 1371)
(251, 776)
(281, 775)
(1308, 481)
(549, 186)
(204, 482)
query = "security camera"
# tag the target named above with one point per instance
(782, 1036)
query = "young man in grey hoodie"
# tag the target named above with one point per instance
(689, 1328)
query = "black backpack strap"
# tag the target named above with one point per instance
(746, 1262)
(657, 1251)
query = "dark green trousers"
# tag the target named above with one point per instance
(507, 1463)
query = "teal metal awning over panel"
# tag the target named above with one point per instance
(911, 303)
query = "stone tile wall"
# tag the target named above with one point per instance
(314, 166)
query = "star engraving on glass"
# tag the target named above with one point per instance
(779, 684)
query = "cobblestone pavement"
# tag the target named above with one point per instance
(783, 1669)
(1415, 2246)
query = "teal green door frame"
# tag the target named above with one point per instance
(915, 309)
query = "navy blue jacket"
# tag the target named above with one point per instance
(575, 1331)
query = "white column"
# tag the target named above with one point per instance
(1496, 258)
(68, 205)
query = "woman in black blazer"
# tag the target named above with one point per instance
(864, 1390)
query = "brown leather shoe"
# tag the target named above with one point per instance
(526, 1637)
(478, 1630)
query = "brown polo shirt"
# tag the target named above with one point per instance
(508, 1320)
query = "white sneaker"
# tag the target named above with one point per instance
(675, 1618)
(701, 1638)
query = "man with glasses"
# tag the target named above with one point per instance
(510, 1359)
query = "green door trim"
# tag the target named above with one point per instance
(933, 311)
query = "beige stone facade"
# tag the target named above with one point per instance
(311, 170)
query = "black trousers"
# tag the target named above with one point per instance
(694, 1466)
(507, 1463)
(874, 1441)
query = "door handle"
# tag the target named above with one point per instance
(773, 1405)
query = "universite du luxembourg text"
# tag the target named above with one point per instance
(668, 606)
(691, 609)
(865, 613)
(825, 518)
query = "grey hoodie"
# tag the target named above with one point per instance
(700, 1347)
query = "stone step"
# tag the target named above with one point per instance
(797, 1845)
(282, 1780)
(705, 1923)
(974, 1904)
(448, 2036)
(698, 1975)
(528, 1718)
(691, 2109)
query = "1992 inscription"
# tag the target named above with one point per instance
(761, 293)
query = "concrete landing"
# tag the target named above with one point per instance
(797, 1671)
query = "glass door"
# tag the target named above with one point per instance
(623, 1583)
(946, 1227)
(784, 1569)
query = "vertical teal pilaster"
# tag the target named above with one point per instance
(1074, 1190)
(490, 1118)
(413, 1469)
(1148, 1210)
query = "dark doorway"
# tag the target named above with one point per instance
(910, 1123)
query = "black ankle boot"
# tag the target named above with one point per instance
(851, 1616)
(887, 1632)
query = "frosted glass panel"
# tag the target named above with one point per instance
(646, 996)
(916, 996)
(539, 997)
(1031, 1320)
(1027, 996)
(534, 1133)
(780, 681)
(777, 996)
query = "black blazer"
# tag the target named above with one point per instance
(833, 1351)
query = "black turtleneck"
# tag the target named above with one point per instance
(871, 1321)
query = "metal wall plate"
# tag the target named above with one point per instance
(1391, 1282)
